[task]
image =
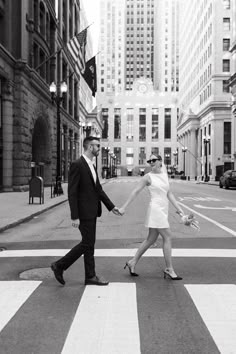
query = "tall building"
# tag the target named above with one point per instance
(232, 82)
(139, 41)
(112, 41)
(166, 46)
(204, 126)
(33, 54)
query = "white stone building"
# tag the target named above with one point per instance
(204, 98)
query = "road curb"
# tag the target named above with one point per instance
(29, 217)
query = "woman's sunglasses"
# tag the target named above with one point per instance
(153, 160)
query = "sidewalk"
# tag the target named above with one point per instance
(15, 207)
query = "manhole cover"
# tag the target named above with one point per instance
(37, 274)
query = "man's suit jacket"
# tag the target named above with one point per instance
(84, 195)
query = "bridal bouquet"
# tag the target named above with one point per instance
(190, 220)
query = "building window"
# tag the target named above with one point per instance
(117, 123)
(225, 86)
(167, 157)
(226, 4)
(142, 124)
(142, 156)
(105, 123)
(155, 124)
(130, 124)
(155, 151)
(117, 152)
(167, 131)
(226, 44)
(226, 65)
(129, 156)
(226, 24)
(227, 137)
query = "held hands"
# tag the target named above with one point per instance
(116, 211)
(75, 223)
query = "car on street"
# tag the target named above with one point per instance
(228, 179)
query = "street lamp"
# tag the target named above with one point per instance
(57, 94)
(176, 153)
(167, 156)
(206, 141)
(87, 128)
(184, 149)
(107, 149)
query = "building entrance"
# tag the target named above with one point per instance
(41, 151)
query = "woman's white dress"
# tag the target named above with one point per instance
(157, 214)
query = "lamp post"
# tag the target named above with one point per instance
(175, 153)
(107, 149)
(57, 94)
(167, 156)
(184, 149)
(87, 128)
(206, 141)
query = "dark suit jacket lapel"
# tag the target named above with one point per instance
(88, 169)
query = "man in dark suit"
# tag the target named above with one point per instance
(85, 194)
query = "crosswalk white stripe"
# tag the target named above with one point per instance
(13, 294)
(125, 252)
(106, 321)
(217, 307)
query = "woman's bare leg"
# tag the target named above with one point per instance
(152, 237)
(167, 250)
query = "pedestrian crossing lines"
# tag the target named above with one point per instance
(106, 320)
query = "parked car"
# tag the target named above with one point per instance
(228, 179)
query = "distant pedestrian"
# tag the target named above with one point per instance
(157, 214)
(85, 195)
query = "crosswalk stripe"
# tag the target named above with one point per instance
(106, 321)
(217, 307)
(13, 294)
(125, 252)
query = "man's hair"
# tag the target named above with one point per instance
(88, 140)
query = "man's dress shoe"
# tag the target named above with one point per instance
(58, 273)
(96, 281)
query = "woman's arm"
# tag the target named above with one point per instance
(173, 201)
(144, 182)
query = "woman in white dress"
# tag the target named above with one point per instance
(157, 215)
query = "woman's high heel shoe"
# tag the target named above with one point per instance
(167, 274)
(133, 274)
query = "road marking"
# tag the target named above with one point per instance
(217, 307)
(232, 232)
(126, 252)
(13, 295)
(106, 321)
(204, 199)
(214, 208)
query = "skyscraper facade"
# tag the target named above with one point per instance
(112, 41)
(204, 126)
(166, 46)
(139, 43)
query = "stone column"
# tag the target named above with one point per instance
(193, 144)
(7, 136)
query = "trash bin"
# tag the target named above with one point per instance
(36, 189)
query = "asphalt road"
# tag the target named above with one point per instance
(147, 314)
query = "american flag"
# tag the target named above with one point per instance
(77, 47)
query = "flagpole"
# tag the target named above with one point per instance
(62, 48)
